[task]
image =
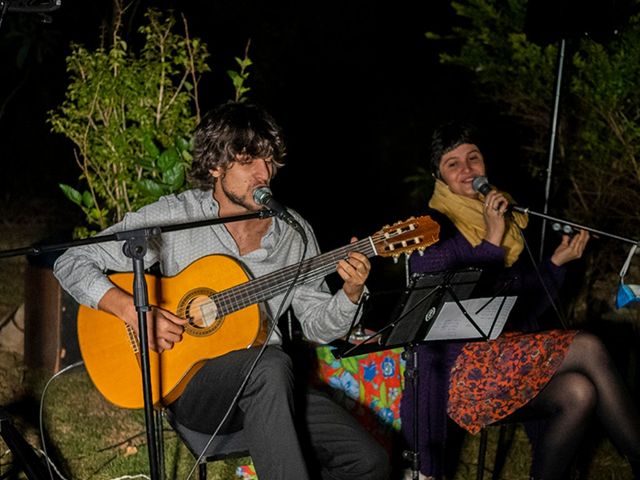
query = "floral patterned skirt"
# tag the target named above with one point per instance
(491, 380)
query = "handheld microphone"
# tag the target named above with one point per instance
(263, 196)
(481, 185)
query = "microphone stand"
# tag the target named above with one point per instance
(552, 139)
(573, 225)
(135, 247)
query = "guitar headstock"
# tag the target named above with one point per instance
(406, 237)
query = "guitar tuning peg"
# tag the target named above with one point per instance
(395, 258)
(421, 252)
(405, 221)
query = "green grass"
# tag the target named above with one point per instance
(97, 440)
(88, 438)
(606, 463)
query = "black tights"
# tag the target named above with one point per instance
(586, 383)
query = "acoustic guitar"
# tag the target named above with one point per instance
(221, 302)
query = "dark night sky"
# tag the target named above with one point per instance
(356, 86)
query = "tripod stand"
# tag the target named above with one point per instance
(31, 464)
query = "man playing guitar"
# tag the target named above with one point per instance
(238, 149)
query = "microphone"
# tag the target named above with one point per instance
(263, 196)
(481, 185)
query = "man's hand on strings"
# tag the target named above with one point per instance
(164, 329)
(354, 270)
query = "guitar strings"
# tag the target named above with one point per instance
(317, 267)
(271, 285)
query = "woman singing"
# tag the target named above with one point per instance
(563, 377)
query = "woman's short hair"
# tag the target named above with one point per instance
(449, 136)
(233, 132)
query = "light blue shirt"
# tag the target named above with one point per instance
(323, 316)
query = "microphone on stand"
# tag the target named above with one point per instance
(481, 184)
(263, 196)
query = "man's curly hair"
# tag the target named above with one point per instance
(234, 132)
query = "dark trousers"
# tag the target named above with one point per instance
(322, 441)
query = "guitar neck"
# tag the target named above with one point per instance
(275, 283)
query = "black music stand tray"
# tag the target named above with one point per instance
(411, 317)
(424, 299)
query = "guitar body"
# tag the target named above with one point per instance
(222, 305)
(111, 352)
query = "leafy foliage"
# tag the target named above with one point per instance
(240, 78)
(598, 138)
(604, 169)
(130, 117)
(509, 70)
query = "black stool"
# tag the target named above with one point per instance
(505, 437)
(232, 445)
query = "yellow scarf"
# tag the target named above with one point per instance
(467, 215)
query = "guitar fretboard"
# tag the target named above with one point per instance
(275, 283)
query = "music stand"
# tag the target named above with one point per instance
(424, 299)
(421, 304)
(418, 304)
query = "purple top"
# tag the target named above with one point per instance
(435, 359)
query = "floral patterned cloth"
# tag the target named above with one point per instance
(369, 386)
(491, 380)
(246, 472)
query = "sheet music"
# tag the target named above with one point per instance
(451, 323)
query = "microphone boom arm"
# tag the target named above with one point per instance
(574, 225)
(481, 185)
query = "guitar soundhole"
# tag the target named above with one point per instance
(201, 311)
